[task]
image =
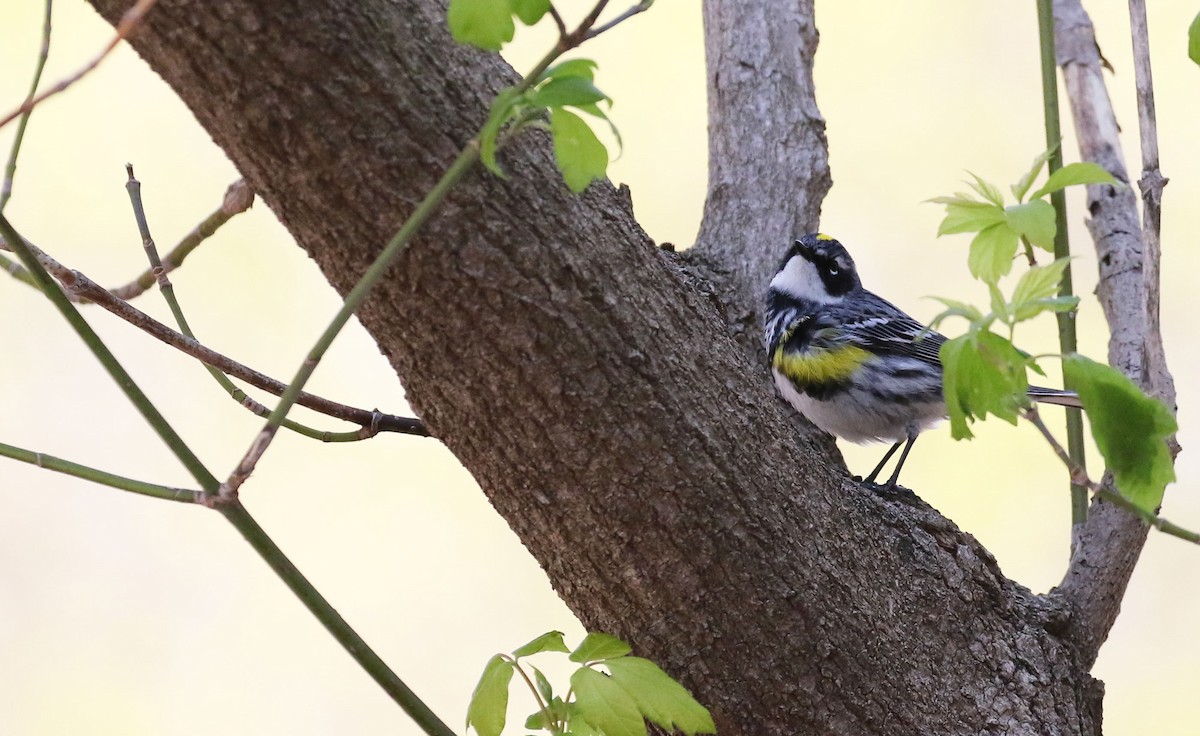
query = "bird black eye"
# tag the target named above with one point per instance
(834, 270)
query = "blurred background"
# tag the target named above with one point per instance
(126, 615)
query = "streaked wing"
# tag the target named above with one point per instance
(885, 329)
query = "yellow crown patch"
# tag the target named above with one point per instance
(823, 236)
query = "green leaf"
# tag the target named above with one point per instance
(551, 641)
(1033, 220)
(1194, 40)
(987, 190)
(580, 155)
(1130, 429)
(559, 711)
(1037, 288)
(487, 24)
(489, 702)
(983, 374)
(661, 699)
(543, 685)
(956, 309)
(999, 306)
(1084, 172)
(992, 252)
(598, 646)
(1022, 186)
(529, 11)
(571, 68)
(501, 112)
(561, 91)
(595, 111)
(968, 216)
(605, 705)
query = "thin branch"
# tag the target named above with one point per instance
(237, 515)
(80, 286)
(238, 198)
(558, 20)
(639, 8)
(10, 168)
(129, 23)
(158, 271)
(1079, 477)
(398, 244)
(113, 367)
(1151, 184)
(1110, 541)
(58, 465)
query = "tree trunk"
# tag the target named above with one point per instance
(601, 400)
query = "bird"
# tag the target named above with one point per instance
(851, 362)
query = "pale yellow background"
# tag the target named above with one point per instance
(125, 615)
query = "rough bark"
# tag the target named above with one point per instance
(599, 398)
(1111, 539)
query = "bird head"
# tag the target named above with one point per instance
(816, 268)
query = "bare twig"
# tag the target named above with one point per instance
(238, 198)
(78, 284)
(639, 8)
(66, 467)
(10, 168)
(1080, 478)
(158, 271)
(129, 23)
(1151, 184)
(558, 20)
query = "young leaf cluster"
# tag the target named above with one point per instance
(619, 703)
(553, 98)
(985, 373)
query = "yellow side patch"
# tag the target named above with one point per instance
(823, 236)
(819, 366)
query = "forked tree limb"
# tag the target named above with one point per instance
(600, 400)
(1111, 540)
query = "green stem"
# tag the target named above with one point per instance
(10, 169)
(159, 272)
(1062, 247)
(237, 515)
(124, 381)
(58, 465)
(467, 158)
(233, 511)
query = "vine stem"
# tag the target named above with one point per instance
(1062, 248)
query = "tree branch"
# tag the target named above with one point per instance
(83, 288)
(598, 398)
(767, 153)
(1111, 540)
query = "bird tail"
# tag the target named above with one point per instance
(1055, 396)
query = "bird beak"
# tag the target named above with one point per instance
(805, 250)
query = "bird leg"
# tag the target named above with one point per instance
(879, 467)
